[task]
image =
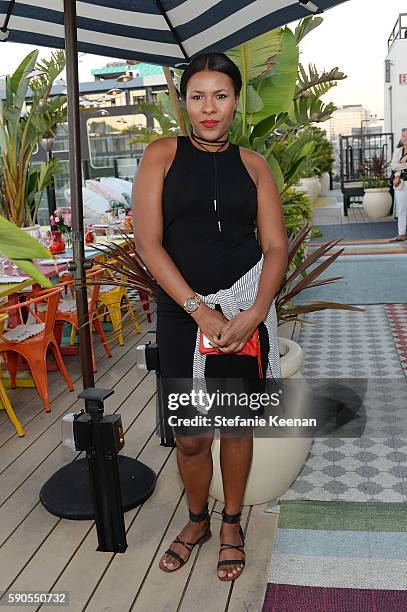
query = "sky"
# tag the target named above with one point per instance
(353, 37)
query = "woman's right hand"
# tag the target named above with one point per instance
(210, 321)
(396, 181)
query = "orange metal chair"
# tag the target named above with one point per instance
(32, 340)
(67, 310)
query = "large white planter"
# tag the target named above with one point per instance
(310, 186)
(276, 461)
(317, 186)
(33, 230)
(325, 182)
(377, 202)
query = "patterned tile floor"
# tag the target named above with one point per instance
(345, 345)
(397, 315)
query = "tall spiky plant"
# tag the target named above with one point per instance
(22, 183)
(303, 275)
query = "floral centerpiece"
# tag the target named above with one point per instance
(61, 221)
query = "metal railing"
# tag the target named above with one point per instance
(399, 30)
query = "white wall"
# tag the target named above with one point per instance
(395, 94)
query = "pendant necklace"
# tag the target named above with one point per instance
(220, 144)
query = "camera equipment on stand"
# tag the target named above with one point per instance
(105, 484)
(102, 437)
(148, 359)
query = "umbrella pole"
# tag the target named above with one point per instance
(105, 484)
(75, 175)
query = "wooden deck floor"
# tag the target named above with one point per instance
(40, 552)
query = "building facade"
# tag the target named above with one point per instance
(395, 86)
(346, 120)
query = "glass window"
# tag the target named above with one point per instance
(108, 142)
(61, 143)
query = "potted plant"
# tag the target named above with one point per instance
(322, 155)
(314, 174)
(377, 199)
(23, 125)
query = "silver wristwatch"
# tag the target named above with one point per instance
(191, 304)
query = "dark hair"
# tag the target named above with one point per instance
(211, 61)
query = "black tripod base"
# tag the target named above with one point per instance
(67, 493)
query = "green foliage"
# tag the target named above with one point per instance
(321, 158)
(21, 129)
(306, 26)
(375, 183)
(283, 101)
(297, 210)
(297, 213)
(21, 248)
(291, 152)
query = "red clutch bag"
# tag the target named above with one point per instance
(251, 348)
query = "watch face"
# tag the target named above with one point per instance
(191, 304)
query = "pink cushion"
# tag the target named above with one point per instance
(105, 191)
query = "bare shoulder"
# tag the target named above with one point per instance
(159, 155)
(254, 162)
(161, 148)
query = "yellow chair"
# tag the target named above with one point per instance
(112, 298)
(4, 399)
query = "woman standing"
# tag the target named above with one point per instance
(198, 201)
(399, 166)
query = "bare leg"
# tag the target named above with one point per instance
(194, 460)
(235, 460)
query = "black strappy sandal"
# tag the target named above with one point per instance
(196, 518)
(232, 518)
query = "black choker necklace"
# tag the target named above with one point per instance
(201, 141)
(220, 144)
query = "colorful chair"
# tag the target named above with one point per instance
(4, 399)
(144, 299)
(67, 310)
(112, 297)
(146, 304)
(31, 340)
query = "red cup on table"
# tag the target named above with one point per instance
(89, 235)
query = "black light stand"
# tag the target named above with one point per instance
(105, 484)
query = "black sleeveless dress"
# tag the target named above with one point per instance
(211, 248)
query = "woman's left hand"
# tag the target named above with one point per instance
(237, 331)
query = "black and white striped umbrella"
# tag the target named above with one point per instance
(166, 32)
